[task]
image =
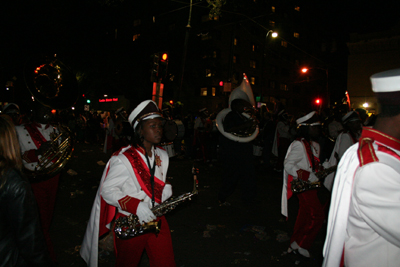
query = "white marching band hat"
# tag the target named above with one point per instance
(144, 111)
(311, 119)
(386, 86)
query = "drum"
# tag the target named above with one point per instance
(173, 129)
(169, 147)
(257, 151)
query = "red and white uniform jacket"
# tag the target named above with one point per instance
(125, 182)
(31, 136)
(298, 165)
(364, 215)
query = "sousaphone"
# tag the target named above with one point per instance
(53, 85)
(243, 91)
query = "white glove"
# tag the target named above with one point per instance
(326, 164)
(167, 192)
(312, 178)
(144, 213)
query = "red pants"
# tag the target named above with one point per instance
(158, 248)
(45, 193)
(310, 219)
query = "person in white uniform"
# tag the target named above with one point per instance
(349, 136)
(302, 163)
(364, 217)
(133, 182)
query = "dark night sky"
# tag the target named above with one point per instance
(29, 26)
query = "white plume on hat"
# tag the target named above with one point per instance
(243, 91)
(144, 111)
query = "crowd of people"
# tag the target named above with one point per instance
(347, 156)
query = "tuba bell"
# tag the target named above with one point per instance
(243, 91)
(53, 85)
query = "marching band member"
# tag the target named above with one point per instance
(282, 139)
(352, 131)
(133, 181)
(363, 225)
(12, 110)
(237, 158)
(35, 140)
(302, 162)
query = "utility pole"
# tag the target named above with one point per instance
(188, 27)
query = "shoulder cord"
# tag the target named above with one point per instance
(152, 170)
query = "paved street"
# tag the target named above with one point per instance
(203, 233)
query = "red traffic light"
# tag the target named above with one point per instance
(318, 101)
(164, 57)
(171, 102)
(304, 70)
(221, 83)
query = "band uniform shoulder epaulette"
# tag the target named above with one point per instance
(366, 151)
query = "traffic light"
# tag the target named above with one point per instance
(155, 64)
(163, 68)
(164, 57)
(88, 101)
(318, 101)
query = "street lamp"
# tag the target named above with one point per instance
(273, 34)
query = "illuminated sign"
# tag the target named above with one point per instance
(108, 100)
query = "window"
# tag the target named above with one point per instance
(203, 91)
(137, 22)
(171, 27)
(284, 87)
(206, 36)
(296, 35)
(272, 84)
(215, 54)
(253, 64)
(254, 47)
(234, 59)
(272, 23)
(208, 73)
(272, 9)
(297, 8)
(135, 37)
(235, 41)
(253, 80)
(213, 91)
(206, 18)
(283, 43)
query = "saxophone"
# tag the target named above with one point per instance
(129, 226)
(299, 185)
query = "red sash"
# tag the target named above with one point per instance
(37, 137)
(142, 173)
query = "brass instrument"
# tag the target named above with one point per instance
(129, 226)
(55, 158)
(53, 85)
(299, 185)
(244, 92)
